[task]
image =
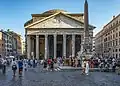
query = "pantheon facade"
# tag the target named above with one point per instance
(55, 33)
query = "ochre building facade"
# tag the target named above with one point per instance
(107, 41)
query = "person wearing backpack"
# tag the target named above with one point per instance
(14, 66)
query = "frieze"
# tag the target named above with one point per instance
(54, 32)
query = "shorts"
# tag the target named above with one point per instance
(20, 69)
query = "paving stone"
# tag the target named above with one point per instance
(39, 77)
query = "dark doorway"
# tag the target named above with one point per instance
(68, 45)
(59, 45)
(77, 43)
(51, 46)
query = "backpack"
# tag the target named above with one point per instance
(14, 67)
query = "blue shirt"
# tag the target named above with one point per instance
(20, 64)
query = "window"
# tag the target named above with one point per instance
(116, 42)
(116, 55)
(113, 30)
(116, 50)
(119, 41)
(108, 38)
(116, 22)
(116, 29)
(113, 24)
(113, 43)
(113, 36)
(116, 34)
(119, 33)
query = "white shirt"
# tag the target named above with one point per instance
(4, 62)
(14, 63)
(31, 61)
(35, 61)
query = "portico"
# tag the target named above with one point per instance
(55, 45)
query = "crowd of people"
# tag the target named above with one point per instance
(54, 63)
(104, 63)
(18, 64)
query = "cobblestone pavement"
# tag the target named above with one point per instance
(39, 77)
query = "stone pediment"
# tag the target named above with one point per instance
(58, 20)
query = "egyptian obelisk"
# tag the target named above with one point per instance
(86, 29)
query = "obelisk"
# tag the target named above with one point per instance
(86, 29)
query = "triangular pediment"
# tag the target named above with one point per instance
(58, 20)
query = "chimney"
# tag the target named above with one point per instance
(113, 17)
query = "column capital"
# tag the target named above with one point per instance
(55, 35)
(64, 34)
(37, 35)
(46, 35)
(73, 34)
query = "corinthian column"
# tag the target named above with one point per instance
(28, 47)
(73, 45)
(55, 45)
(46, 45)
(37, 46)
(64, 45)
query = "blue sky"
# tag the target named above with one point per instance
(14, 13)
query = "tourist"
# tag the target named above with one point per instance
(58, 61)
(25, 64)
(49, 63)
(55, 66)
(71, 61)
(83, 67)
(101, 66)
(4, 63)
(34, 63)
(76, 62)
(20, 66)
(31, 63)
(14, 66)
(113, 65)
(52, 65)
(45, 64)
(87, 68)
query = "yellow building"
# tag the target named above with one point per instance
(23, 47)
(2, 44)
